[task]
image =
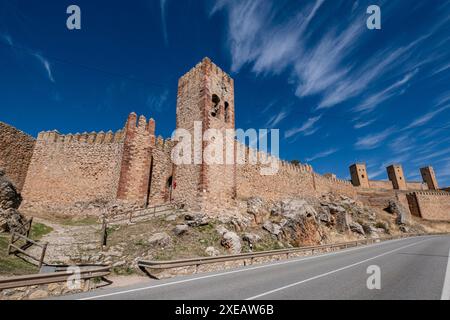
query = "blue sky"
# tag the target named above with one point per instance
(339, 93)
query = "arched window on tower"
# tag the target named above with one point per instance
(216, 106)
(227, 112)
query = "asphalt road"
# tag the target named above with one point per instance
(414, 268)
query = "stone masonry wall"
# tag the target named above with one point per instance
(290, 181)
(430, 205)
(16, 149)
(138, 145)
(68, 170)
(162, 170)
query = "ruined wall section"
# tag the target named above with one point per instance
(430, 205)
(72, 170)
(161, 171)
(139, 142)
(16, 150)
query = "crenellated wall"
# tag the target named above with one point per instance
(430, 205)
(290, 180)
(16, 149)
(70, 169)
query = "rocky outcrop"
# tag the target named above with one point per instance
(256, 207)
(402, 214)
(161, 239)
(9, 197)
(180, 229)
(232, 242)
(196, 219)
(10, 218)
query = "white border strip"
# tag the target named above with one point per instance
(446, 289)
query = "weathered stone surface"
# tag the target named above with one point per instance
(161, 239)
(221, 230)
(402, 214)
(11, 220)
(342, 222)
(255, 206)
(9, 197)
(180, 229)
(357, 228)
(38, 294)
(212, 252)
(232, 242)
(171, 218)
(196, 219)
(273, 228)
(251, 238)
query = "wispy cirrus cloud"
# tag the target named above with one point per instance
(46, 64)
(320, 62)
(442, 104)
(373, 141)
(277, 118)
(371, 102)
(163, 7)
(362, 124)
(155, 101)
(322, 154)
(306, 129)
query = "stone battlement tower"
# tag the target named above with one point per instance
(206, 101)
(395, 174)
(358, 172)
(429, 177)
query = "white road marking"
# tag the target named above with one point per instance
(331, 272)
(446, 289)
(240, 270)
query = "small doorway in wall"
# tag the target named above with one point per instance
(169, 189)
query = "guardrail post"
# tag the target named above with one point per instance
(41, 260)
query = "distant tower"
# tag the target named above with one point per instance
(358, 172)
(395, 174)
(429, 177)
(206, 96)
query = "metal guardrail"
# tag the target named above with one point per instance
(160, 265)
(39, 279)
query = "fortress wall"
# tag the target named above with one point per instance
(381, 184)
(430, 205)
(416, 185)
(70, 169)
(290, 181)
(16, 149)
(329, 184)
(162, 170)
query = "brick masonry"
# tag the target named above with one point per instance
(430, 205)
(16, 149)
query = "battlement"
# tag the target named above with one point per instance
(88, 138)
(205, 65)
(431, 193)
(164, 145)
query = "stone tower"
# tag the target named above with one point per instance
(139, 142)
(395, 174)
(429, 177)
(358, 172)
(206, 101)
